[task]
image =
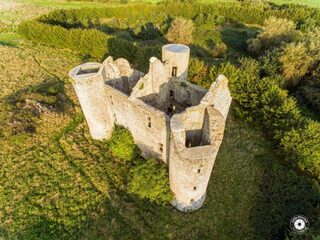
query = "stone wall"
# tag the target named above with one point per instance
(149, 126)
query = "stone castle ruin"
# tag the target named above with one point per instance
(170, 118)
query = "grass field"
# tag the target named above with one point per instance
(53, 183)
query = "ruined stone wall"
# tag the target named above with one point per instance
(149, 126)
(183, 92)
(219, 96)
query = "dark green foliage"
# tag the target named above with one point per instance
(144, 54)
(262, 99)
(149, 32)
(149, 181)
(88, 41)
(198, 72)
(302, 148)
(122, 144)
(310, 91)
(122, 48)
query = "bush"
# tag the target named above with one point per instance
(120, 48)
(295, 63)
(310, 91)
(143, 56)
(122, 144)
(219, 50)
(274, 32)
(181, 31)
(197, 72)
(149, 180)
(302, 148)
(262, 99)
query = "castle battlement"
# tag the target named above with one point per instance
(170, 118)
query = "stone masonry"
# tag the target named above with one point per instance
(170, 118)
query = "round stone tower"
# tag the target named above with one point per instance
(89, 86)
(176, 59)
(196, 135)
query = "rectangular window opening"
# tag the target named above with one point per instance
(171, 94)
(174, 71)
(199, 170)
(194, 188)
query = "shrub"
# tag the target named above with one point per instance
(219, 50)
(197, 72)
(122, 144)
(143, 56)
(265, 101)
(295, 63)
(302, 148)
(149, 180)
(274, 32)
(122, 48)
(181, 31)
(279, 111)
(310, 91)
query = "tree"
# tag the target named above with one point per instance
(181, 31)
(149, 180)
(274, 32)
(295, 63)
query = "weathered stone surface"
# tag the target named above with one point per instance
(178, 122)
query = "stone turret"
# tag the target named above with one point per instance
(176, 60)
(89, 87)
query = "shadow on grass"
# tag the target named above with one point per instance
(235, 36)
(284, 194)
(8, 44)
(27, 105)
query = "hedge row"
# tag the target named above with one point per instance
(262, 99)
(86, 41)
(234, 12)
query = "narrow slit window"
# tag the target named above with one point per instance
(115, 117)
(111, 100)
(171, 94)
(161, 147)
(174, 71)
(149, 122)
(199, 170)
